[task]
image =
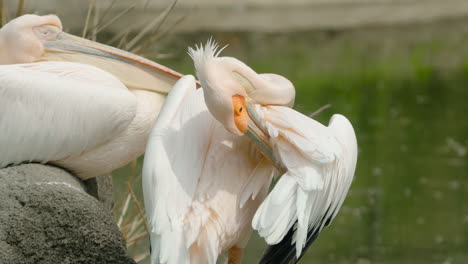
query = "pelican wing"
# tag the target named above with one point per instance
(320, 164)
(167, 194)
(193, 176)
(52, 110)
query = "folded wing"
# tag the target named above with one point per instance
(52, 110)
(320, 164)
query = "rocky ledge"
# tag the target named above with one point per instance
(46, 216)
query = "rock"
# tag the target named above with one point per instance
(101, 188)
(47, 217)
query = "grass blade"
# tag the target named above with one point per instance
(88, 16)
(19, 9)
(321, 109)
(152, 26)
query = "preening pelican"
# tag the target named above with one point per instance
(206, 176)
(72, 102)
(193, 174)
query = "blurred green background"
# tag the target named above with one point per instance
(405, 90)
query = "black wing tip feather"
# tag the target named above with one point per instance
(281, 253)
(285, 251)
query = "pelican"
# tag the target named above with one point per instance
(71, 102)
(213, 153)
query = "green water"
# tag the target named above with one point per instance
(405, 90)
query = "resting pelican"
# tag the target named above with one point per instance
(204, 180)
(71, 102)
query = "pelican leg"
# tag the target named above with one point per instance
(235, 255)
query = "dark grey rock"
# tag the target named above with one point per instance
(47, 217)
(101, 188)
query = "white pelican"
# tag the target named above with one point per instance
(203, 180)
(67, 112)
(192, 177)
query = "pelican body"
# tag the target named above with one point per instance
(72, 102)
(192, 178)
(213, 153)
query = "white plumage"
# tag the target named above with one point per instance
(202, 182)
(320, 163)
(86, 119)
(193, 175)
(46, 116)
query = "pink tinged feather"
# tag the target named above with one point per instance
(320, 165)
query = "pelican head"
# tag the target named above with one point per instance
(22, 39)
(33, 38)
(231, 88)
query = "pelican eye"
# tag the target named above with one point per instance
(238, 109)
(47, 32)
(246, 84)
(241, 118)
